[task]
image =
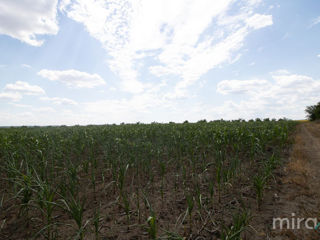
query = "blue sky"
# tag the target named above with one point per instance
(110, 61)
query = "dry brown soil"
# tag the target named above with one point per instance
(295, 191)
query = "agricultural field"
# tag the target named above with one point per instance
(138, 181)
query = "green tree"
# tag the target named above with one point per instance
(313, 112)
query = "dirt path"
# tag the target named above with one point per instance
(297, 193)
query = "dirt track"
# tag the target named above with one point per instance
(296, 190)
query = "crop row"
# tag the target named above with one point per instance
(122, 181)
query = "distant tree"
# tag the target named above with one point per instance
(313, 112)
(202, 121)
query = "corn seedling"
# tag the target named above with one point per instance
(190, 206)
(239, 224)
(152, 230)
(259, 182)
(75, 208)
(96, 223)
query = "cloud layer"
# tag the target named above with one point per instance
(184, 39)
(26, 20)
(73, 78)
(286, 94)
(24, 88)
(15, 91)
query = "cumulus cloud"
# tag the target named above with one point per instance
(73, 78)
(15, 91)
(13, 96)
(285, 94)
(24, 88)
(26, 20)
(183, 39)
(60, 101)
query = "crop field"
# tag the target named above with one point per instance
(138, 181)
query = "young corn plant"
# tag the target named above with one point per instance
(25, 193)
(45, 202)
(93, 182)
(259, 182)
(96, 223)
(162, 172)
(151, 221)
(73, 185)
(152, 230)
(198, 196)
(126, 205)
(190, 206)
(123, 195)
(211, 191)
(75, 209)
(218, 179)
(138, 202)
(239, 224)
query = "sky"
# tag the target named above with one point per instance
(67, 62)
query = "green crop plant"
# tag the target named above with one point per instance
(73, 178)
(151, 221)
(152, 230)
(162, 172)
(93, 181)
(121, 177)
(75, 208)
(96, 223)
(211, 191)
(259, 182)
(45, 201)
(41, 165)
(126, 204)
(198, 196)
(190, 206)
(25, 185)
(239, 224)
(218, 179)
(85, 166)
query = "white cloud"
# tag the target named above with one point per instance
(73, 78)
(60, 101)
(241, 86)
(315, 21)
(13, 96)
(24, 88)
(286, 95)
(26, 20)
(318, 55)
(259, 21)
(183, 38)
(15, 91)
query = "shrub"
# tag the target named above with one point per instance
(313, 112)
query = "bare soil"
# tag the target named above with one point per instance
(295, 191)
